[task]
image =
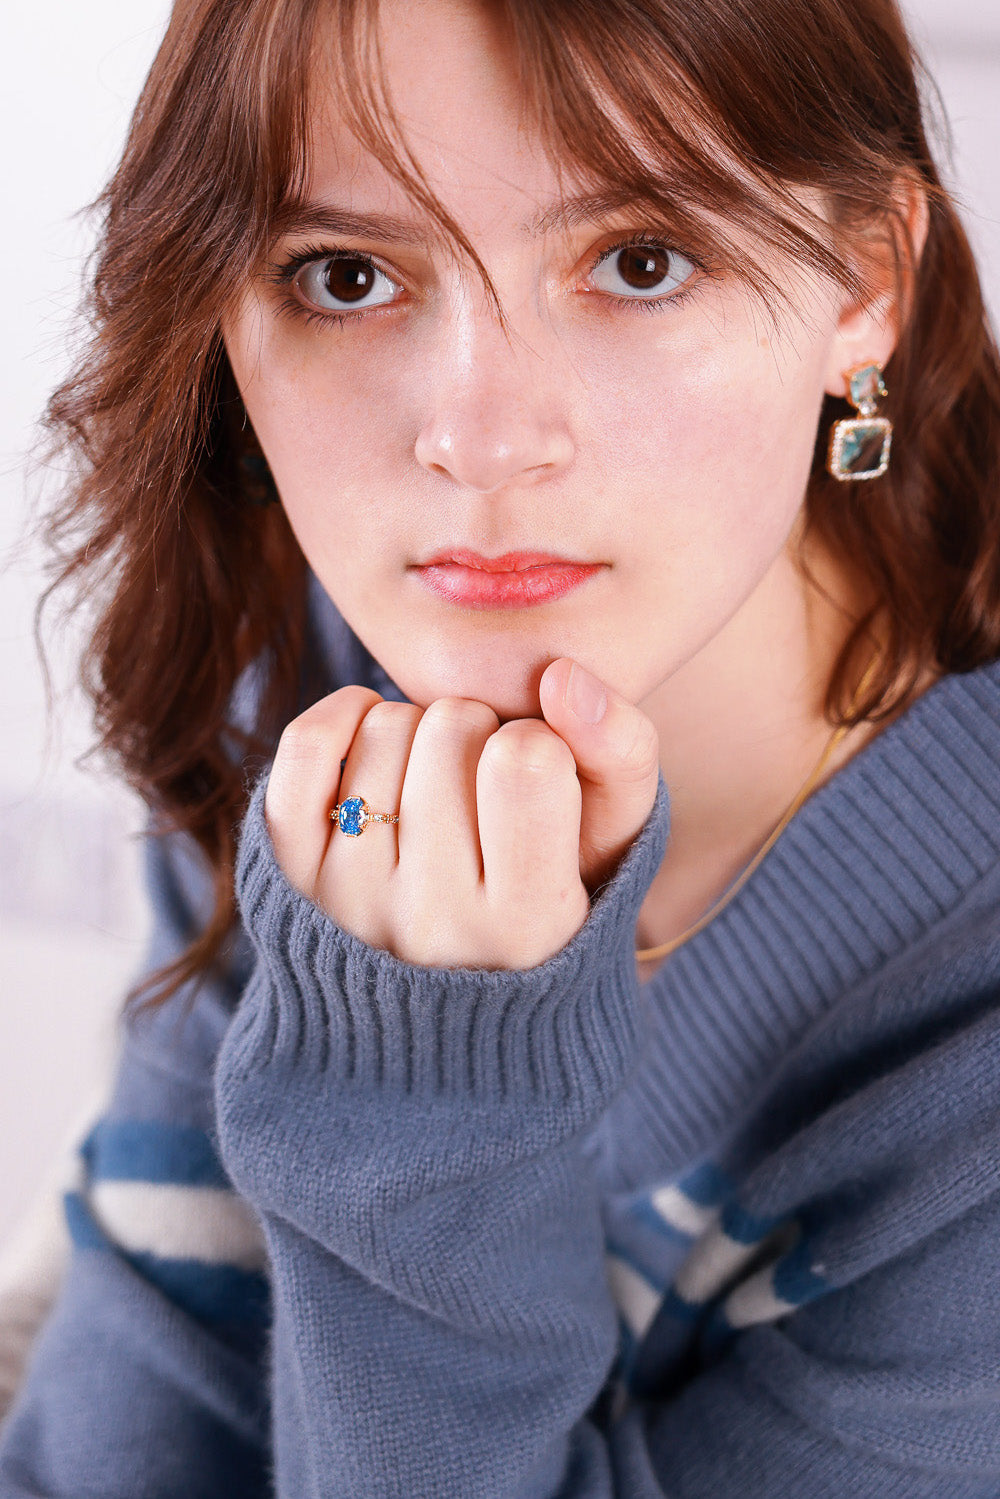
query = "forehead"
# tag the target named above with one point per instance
(456, 112)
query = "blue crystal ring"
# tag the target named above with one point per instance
(353, 816)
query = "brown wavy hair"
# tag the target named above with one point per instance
(705, 116)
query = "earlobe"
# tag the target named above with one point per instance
(868, 331)
(865, 335)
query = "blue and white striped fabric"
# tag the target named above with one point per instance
(686, 1256)
(157, 1194)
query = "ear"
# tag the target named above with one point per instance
(868, 330)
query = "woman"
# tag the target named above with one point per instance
(523, 432)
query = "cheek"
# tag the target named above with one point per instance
(326, 420)
(719, 437)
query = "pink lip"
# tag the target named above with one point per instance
(516, 580)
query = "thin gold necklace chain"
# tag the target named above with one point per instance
(652, 954)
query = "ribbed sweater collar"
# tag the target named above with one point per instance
(900, 838)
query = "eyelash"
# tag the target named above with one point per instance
(283, 274)
(651, 304)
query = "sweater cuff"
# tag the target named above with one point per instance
(562, 1029)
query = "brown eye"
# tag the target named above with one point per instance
(641, 268)
(348, 280)
(641, 271)
(342, 282)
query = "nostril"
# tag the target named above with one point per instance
(485, 471)
(485, 452)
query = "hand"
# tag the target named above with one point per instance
(503, 829)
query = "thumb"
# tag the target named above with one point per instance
(617, 757)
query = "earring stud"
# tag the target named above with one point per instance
(860, 446)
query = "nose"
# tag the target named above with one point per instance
(494, 408)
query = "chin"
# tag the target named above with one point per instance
(508, 686)
(507, 699)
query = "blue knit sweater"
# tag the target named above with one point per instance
(356, 1228)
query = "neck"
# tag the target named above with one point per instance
(741, 727)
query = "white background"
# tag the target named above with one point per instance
(71, 913)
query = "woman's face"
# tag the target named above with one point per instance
(638, 419)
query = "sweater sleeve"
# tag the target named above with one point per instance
(443, 1326)
(148, 1380)
(412, 1140)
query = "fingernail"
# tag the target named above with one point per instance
(585, 695)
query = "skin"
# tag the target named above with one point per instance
(671, 444)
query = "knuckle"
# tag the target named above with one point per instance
(461, 713)
(528, 748)
(641, 752)
(304, 741)
(307, 738)
(353, 696)
(388, 720)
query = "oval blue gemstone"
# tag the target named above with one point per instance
(350, 817)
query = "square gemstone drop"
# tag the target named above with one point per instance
(351, 816)
(862, 448)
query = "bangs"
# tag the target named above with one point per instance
(677, 123)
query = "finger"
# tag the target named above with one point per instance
(439, 825)
(616, 750)
(529, 827)
(357, 867)
(305, 778)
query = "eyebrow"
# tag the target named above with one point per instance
(584, 208)
(324, 218)
(304, 217)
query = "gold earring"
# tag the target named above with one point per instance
(859, 446)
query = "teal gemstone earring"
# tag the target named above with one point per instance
(859, 446)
